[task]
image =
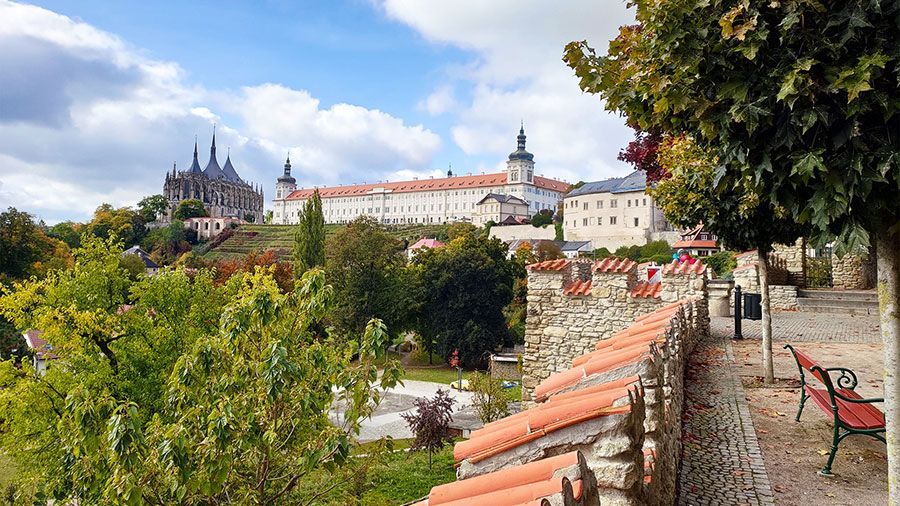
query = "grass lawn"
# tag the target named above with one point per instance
(447, 375)
(403, 477)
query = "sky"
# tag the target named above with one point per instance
(98, 99)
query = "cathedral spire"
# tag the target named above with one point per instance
(195, 164)
(212, 170)
(521, 137)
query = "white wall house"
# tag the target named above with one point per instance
(614, 212)
(433, 200)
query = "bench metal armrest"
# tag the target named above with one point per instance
(847, 379)
(858, 401)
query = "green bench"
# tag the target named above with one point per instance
(852, 413)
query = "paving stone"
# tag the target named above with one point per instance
(722, 463)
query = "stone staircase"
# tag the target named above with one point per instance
(838, 301)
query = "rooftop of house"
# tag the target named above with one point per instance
(502, 199)
(636, 181)
(426, 243)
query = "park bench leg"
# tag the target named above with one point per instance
(803, 398)
(836, 440)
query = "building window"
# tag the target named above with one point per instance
(612, 220)
(599, 204)
(585, 206)
(599, 220)
(584, 221)
(645, 202)
(613, 203)
(636, 222)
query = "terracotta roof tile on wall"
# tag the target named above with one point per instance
(549, 265)
(578, 287)
(676, 267)
(529, 425)
(647, 290)
(613, 264)
(514, 485)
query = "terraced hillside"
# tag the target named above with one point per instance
(280, 238)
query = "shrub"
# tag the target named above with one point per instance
(542, 218)
(489, 399)
(722, 263)
(601, 253)
(818, 272)
(430, 423)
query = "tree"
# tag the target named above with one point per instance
(267, 218)
(797, 101)
(430, 423)
(601, 253)
(124, 223)
(737, 215)
(366, 268)
(189, 208)
(463, 288)
(489, 398)
(642, 154)
(68, 232)
(189, 393)
(152, 207)
(309, 239)
(20, 245)
(281, 271)
(25, 250)
(542, 218)
(167, 243)
(547, 250)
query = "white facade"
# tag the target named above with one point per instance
(613, 213)
(497, 208)
(433, 200)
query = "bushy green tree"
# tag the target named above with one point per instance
(542, 218)
(68, 232)
(124, 223)
(309, 238)
(167, 243)
(489, 398)
(365, 265)
(25, 249)
(172, 390)
(153, 207)
(464, 288)
(189, 208)
(601, 253)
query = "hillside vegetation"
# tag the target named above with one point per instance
(280, 239)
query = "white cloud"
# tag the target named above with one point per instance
(86, 118)
(442, 100)
(517, 73)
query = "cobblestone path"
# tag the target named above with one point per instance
(797, 326)
(722, 462)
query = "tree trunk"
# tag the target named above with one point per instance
(768, 367)
(888, 308)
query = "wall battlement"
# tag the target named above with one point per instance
(574, 304)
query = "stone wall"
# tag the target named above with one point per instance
(578, 303)
(853, 272)
(783, 297)
(505, 367)
(619, 405)
(791, 260)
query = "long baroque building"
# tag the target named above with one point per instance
(433, 200)
(221, 189)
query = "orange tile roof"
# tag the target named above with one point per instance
(613, 264)
(534, 423)
(646, 289)
(534, 476)
(549, 265)
(578, 287)
(676, 267)
(695, 244)
(444, 183)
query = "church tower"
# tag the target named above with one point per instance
(286, 183)
(520, 166)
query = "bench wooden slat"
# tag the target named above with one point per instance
(858, 416)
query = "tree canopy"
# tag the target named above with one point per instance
(464, 287)
(171, 389)
(190, 208)
(152, 207)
